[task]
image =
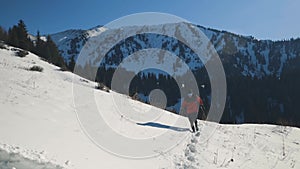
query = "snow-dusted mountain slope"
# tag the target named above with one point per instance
(70, 42)
(38, 122)
(249, 56)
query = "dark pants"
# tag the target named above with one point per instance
(193, 120)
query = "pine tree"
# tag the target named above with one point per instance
(38, 42)
(18, 36)
(24, 41)
(52, 54)
(22, 35)
(72, 64)
(13, 36)
(3, 34)
(39, 45)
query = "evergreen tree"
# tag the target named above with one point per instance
(52, 54)
(71, 64)
(39, 45)
(13, 36)
(22, 35)
(18, 36)
(3, 34)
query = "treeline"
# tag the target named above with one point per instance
(271, 100)
(18, 36)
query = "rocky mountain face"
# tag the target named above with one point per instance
(260, 73)
(249, 56)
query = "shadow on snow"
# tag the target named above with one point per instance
(164, 126)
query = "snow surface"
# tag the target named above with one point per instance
(39, 123)
(15, 157)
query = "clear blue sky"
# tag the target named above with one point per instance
(263, 19)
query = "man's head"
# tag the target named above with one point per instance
(190, 93)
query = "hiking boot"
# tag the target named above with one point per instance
(193, 129)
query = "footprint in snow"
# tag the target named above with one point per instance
(191, 158)
(192, 148)
(186, 152)
(194, 140)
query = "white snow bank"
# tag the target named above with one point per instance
(17, 158)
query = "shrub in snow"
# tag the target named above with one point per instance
(84, 80)
(36, 68)
(19, 52)
(63, 68)
(22, 53)
(101, 86)
(2, 45)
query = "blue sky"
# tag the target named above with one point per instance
(263, 19)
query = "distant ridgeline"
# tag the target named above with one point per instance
(262, 75)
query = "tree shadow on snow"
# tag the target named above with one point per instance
(164, 126)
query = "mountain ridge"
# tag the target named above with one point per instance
(251, 56)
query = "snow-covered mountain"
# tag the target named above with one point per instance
(70, 42)
(247, 55)
(39, 128)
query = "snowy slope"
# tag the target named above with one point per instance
(38, 121)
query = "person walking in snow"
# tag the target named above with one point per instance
(190, 107)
